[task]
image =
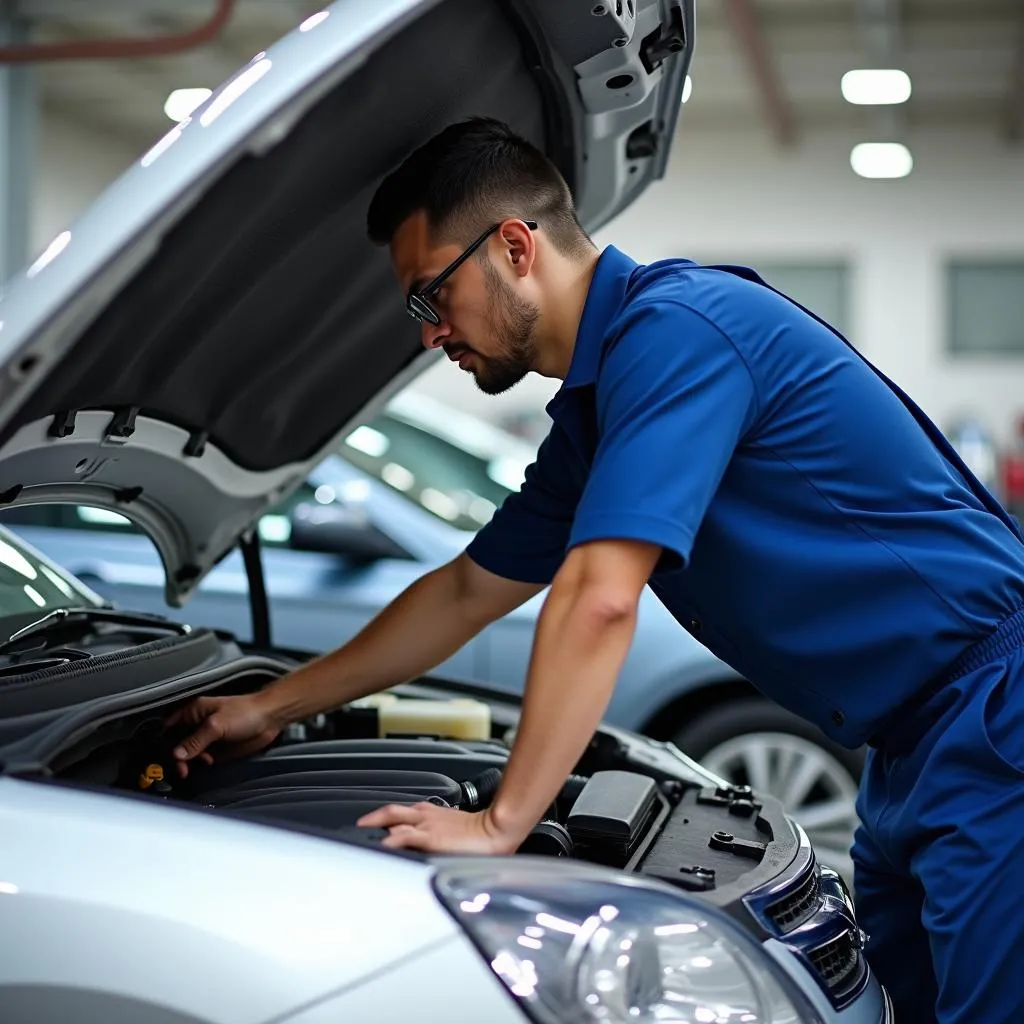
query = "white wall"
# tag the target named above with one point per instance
(74, 166)
(738, 197)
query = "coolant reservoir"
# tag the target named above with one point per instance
(460, 718)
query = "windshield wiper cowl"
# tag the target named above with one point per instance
(63, 616)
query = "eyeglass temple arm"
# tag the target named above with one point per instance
(452, 267)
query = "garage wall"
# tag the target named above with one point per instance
(741, 199)
(75, 165)
(738, 198)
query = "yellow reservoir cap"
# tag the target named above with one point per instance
(375, 700)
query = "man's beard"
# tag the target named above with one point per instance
(512, 321)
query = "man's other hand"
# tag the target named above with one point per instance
(238, 725)
(434, 829)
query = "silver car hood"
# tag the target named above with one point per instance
(212, 325)
(223, 920)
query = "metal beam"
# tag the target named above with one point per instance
(18, 113)
(748, 33)
(1015, 101)
(881, 28)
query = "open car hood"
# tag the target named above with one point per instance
(208, 330)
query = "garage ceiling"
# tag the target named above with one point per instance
(777, 64)
(771, 66)
(124, 97)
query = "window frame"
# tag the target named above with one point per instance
(951, 347)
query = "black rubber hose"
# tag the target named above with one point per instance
(548, 839)
(573, 787)
(479, 791)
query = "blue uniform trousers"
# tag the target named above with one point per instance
(939, 857)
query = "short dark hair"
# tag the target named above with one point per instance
(473, 174)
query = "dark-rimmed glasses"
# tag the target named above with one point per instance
(419, 303)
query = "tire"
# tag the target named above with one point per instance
(755, 742)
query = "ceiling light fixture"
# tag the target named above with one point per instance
(182, 102)
(881, 160)
(876, 86)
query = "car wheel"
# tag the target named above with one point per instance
(756, 743)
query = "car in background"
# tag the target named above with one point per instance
(403, 494)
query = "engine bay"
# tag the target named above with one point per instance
(632, 804)
(698, 839)
(419, 743)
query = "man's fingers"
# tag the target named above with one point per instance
(193, 712)
(209, 732)
(387, 817)
(205, 756)
(406, 837)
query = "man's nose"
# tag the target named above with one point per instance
(434, 335)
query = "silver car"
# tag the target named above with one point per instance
(184, 355)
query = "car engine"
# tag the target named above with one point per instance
(632, 804)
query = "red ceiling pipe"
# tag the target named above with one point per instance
(112, 49)
(744, 24)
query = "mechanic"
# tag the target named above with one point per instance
(791, 508)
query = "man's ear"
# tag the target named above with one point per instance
(520, 246)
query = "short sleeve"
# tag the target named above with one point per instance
(526, 538)
(674, 398)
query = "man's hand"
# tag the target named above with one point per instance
(436, 829)
(239, 725)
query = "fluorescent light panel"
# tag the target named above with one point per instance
(876, 86)
(881, 160)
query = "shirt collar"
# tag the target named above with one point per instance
(604, 299)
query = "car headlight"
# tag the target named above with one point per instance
(581, 949)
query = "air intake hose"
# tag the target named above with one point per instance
(548, 839)
(479, 792)
(572, 788)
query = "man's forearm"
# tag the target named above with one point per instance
(423, 627)
(578, 652)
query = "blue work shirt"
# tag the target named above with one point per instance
(814, 537)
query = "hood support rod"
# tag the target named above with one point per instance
(259, 606)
